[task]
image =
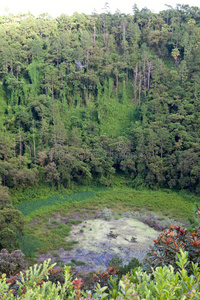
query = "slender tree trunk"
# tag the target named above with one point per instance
(57, 57)
(94, 33)
(14, 149)
(117, 82)
(20, 148)
(140, 87)
(29, 148)
(34, 150)
(46, 88)
(148, 77)
(20, 144)
(52, 94)
(11, 66)
(135, 83)
(104, 34)
(145, 81)
(54, 124)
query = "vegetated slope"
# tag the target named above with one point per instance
(83, 97)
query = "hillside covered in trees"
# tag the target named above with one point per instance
(85, 97)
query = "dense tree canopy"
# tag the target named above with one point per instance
(11, 222)
(132, 106)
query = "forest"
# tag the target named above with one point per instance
(95, 101)
(85, 97)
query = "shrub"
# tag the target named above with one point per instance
(57, 275)
(164, 283)
(102, 278)
(11, 263)
(11, 222)
(169, 243)
(133, 264)
(123, 270)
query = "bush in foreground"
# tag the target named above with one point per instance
(163, 283)
(11, 263)
(168, 244)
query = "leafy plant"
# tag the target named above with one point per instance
(169, 243)
(163, 283)
(11, 263)
(117, 263)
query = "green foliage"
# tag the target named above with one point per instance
(33, 193)
(11, 222)
(116, 262)
(126, 269)
(4, 197)
(133, 108)
(165, 283)
(133, 264)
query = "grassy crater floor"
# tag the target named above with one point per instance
(100, 240)
(50, 222)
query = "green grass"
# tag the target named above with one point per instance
(30, 244)
(34, 193)
(28, 207)
(77, 262)
(44, 230)
(171, 204)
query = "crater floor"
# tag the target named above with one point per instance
(99, 240)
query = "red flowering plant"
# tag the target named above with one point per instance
(168, 244)
(77, 284)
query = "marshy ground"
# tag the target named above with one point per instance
(104, 237)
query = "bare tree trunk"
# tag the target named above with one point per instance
(104, 34)
(20, 144)
(14, 148)
(117, 82)
(145, 81)
(57, 55)
(52, 94)
(148, 77)
(135, 83)
(34, 150)
(94, 33)
(46, 88)
(140, 86)
(20, 148)
(29, 148)
(11, 66)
